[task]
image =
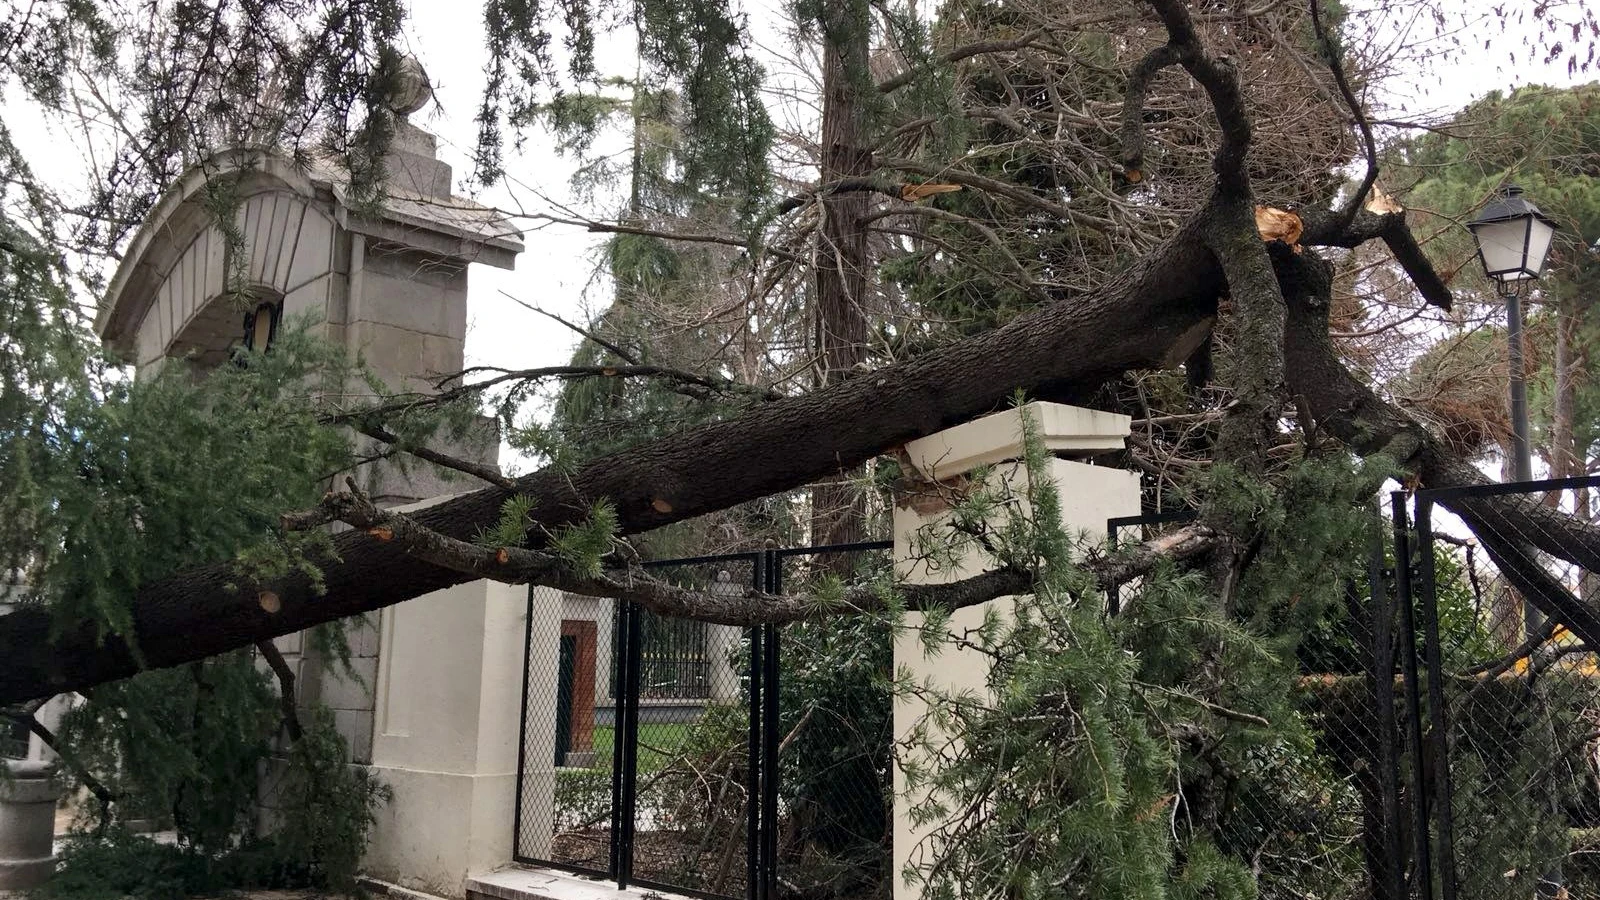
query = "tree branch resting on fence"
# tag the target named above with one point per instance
(517, 565)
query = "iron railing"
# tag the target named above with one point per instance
(717, 762)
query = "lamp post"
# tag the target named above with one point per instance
(1513, 239)
(1513, 242)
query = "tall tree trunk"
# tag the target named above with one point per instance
(841, 284)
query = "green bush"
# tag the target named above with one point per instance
(583, 796)
(185, 749)
(327, 808)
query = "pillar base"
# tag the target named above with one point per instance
(20, 875)
(27, 825)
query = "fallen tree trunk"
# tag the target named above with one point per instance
(1151, 316)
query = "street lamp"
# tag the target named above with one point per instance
(1513, 241)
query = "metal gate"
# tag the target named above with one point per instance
(685, 770)
(1470, 735)
(1457, 739)
(1508, 713)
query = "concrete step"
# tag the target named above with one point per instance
(527, 883)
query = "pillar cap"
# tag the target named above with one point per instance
(29, 769)
(1069, 431)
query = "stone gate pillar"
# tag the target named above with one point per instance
(1090, 495)
(446, 738)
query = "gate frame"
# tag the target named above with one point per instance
(1425, 592)
(763, 696)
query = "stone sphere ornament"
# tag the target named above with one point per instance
(411, 90)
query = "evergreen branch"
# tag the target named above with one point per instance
(683, 380)
(594, 226)
(1133, 108)
(983, 48)
(587, 335)
(513, 565)
(1018, 271)
(1221, 82)
(1005, 189)
(690, 384)
(1336, 66)
(1225, 712)
(978, 48)
(488, 473)
(1139, 559)
(753, 607)
(870, 184)
(286, 692)
(1327, 230)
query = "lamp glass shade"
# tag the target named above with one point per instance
(1502, 246)
(1513, 237)
(1540, 234)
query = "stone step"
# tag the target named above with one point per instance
(526, 883)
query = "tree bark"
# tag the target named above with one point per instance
(1563, 447)
(841, 322)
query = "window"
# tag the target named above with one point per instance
(261, 326)
(13, 739)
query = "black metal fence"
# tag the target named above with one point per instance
(712, 760)
(1450, 745)
(1456, 730)
(1508, 712)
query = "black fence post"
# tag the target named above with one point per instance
(753, 749)
(771, 713)
(1438, 722)
(628, 735)
(619, 715)
(1391, 883)
(1422, 868)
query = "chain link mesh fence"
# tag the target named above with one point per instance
(568, 767)
(835, 734)
(1512, 705)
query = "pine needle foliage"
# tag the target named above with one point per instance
(107, 483)
(115, 482)
(1160, 753)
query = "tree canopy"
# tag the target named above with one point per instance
(1072, 200)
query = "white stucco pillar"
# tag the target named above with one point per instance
(449, 698)
(1089, 495)
(722, 641)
